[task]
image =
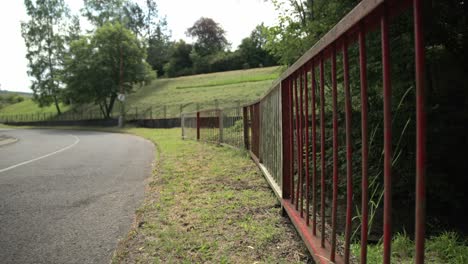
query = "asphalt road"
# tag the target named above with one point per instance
(69, 196)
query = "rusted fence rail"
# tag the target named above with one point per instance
(295, 134)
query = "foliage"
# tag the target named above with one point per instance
(93, 66)
(209, 35)
(179, 62)
(301, 25)
(208, 54)
(11, 98)
(446, 247)
(252, 50)
(44, 38)
(100, 12)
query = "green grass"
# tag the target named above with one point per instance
(447, 248)
(30, 107)
(228, 88)
(207, 204)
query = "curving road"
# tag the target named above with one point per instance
(68, 196)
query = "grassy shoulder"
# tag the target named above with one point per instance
(207, 204)
(447, 247)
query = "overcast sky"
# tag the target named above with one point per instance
(237, 17)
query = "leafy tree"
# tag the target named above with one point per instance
(303, 25)
(99, 12)
(180, 62)
(252, 49)
(44, 38)
(93, 66)
(210, 36)
(142, 19)
(158, 38)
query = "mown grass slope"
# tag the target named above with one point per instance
(30, 107)
(226, 87)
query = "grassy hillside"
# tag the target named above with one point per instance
(226, 87)
(29, 107)
(28, 95)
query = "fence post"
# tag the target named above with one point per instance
(287, 138)
(246, 127)
(182, 125)
(220, 120)
(198, 125)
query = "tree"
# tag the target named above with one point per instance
(303, 25)
(44, 38)
(209, 36)
(252, 49)
(179, 62)
(93, 66)
(157, 37)
(99, 12)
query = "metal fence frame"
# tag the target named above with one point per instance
(290, 178)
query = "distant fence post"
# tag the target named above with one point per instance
(220, 121)
(182, 125)
(246, 127)
(198, 125)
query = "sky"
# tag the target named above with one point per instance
(237, 17)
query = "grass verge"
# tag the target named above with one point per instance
(207, 204)
(447, 248)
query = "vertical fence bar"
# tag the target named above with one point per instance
(182, 125)
(364, 146)
(287, 143)
(301, 137)
(198, 125)
(306, 100)
(420, 133)
(245, 116)
(335, 155)
(387, 92)
(314, 155)
(299, 155)
(322, 151)
(291, 137)
(349, 154)
(220, 125)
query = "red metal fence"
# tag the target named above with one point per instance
(286, 133)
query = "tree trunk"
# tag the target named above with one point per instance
(103, 109)
(57, 105)
(111, 105)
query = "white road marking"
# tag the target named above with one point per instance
(77, 140)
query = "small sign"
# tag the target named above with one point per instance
(121, 97)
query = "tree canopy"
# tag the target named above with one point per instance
(44, 38)
(209, 35)
(93, 66)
